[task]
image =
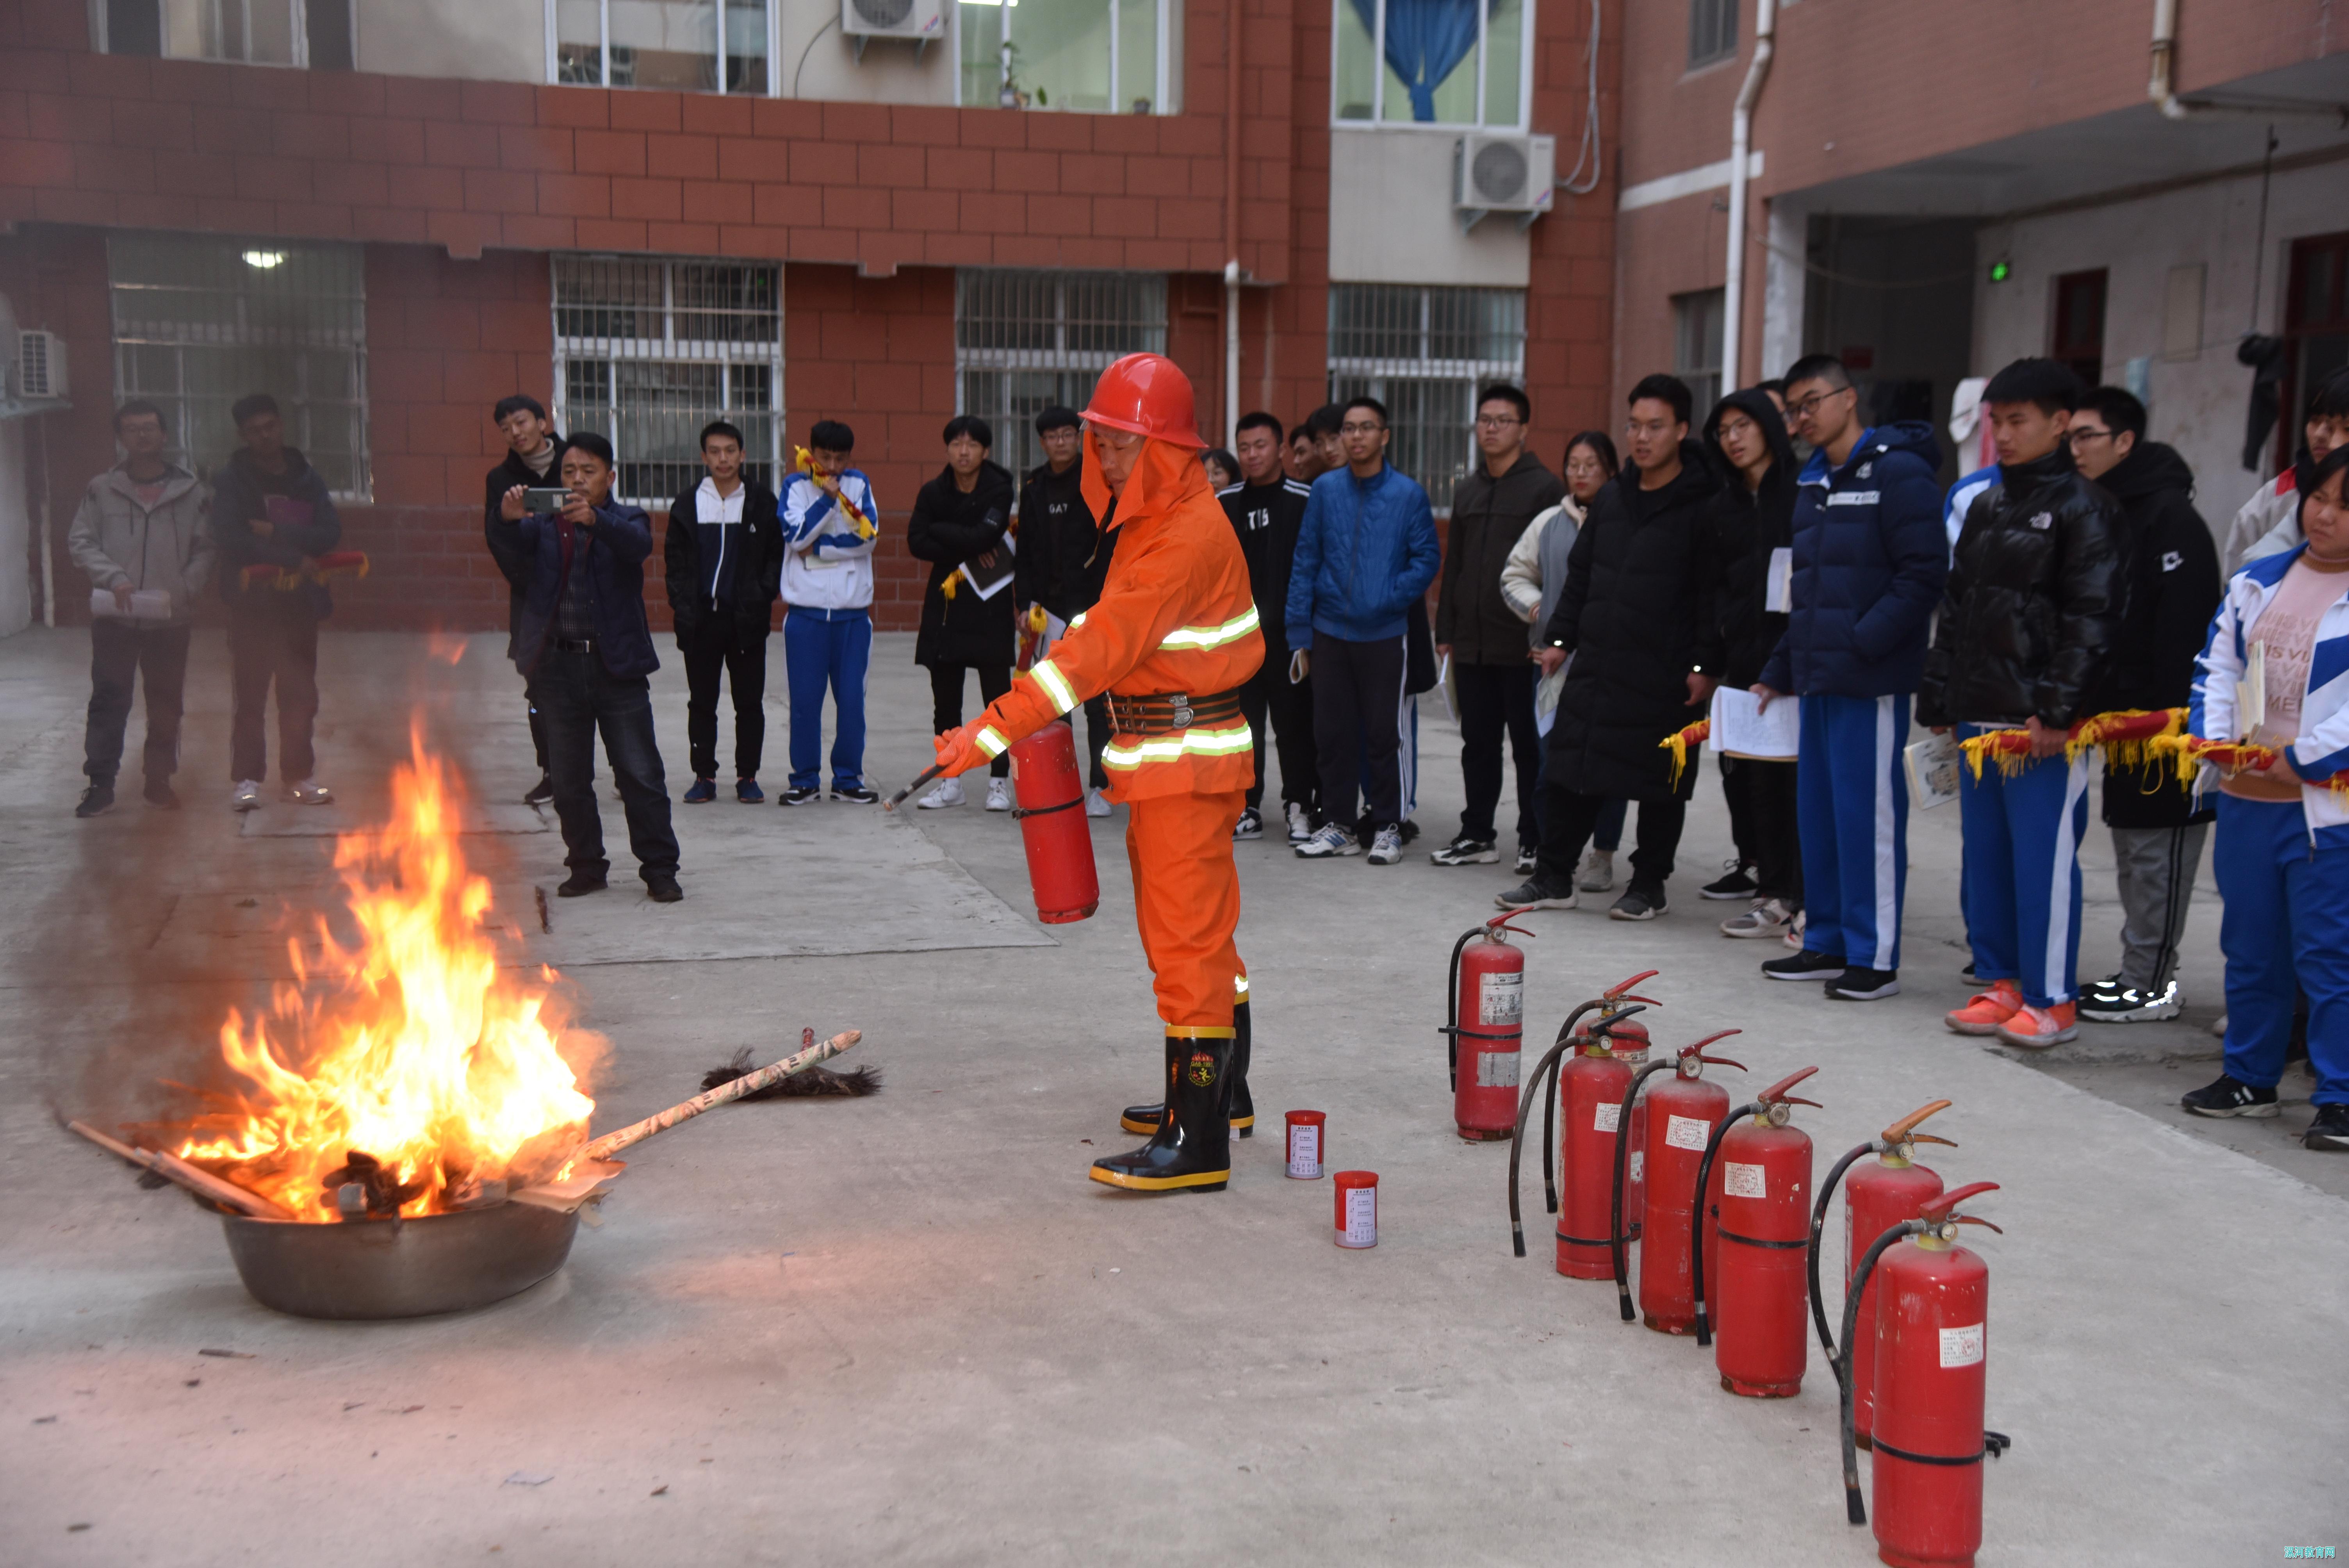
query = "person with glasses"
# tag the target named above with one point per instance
(1638, 617)
(1865, 569)
(1483, 637)
(2172, 591)
(2027, 624)
(1366, 552)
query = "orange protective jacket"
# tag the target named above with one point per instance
(1175, 615)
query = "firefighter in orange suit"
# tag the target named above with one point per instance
(1172, 640)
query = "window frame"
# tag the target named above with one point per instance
(729, 354)
(298, 12)
(1727, 12)
(1162, 76)
(2303, 253)
(1351, 375)
(773, 88)
(1075, 366)
(1380, 71)
(1710, 307)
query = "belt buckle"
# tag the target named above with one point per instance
(1181, 716)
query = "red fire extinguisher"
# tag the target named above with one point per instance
(1879, 1196)
(1487, 986)
(1931, 1339)
(1629, 1042)
(1764, 1218)
(1619, 1008)
(1681, 1115)
(1053, 825)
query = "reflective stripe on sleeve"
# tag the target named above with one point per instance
(1231, 631)
(1056, 685)
(989, 741)
(1132, 752)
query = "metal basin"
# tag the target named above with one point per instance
(409, 1268)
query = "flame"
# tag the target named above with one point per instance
(413, 1047)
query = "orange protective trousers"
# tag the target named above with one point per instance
(1186, 901)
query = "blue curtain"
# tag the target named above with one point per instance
(1426, 41)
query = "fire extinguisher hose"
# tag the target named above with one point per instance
(1854, 1509)
(1548, 1064)
(1623, 1160)
(1818, 1223)
(1696, 1214)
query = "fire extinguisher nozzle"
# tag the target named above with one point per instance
(1704, 1328)
(1853, 1510)
(1623, 1300)
(1517, 1239)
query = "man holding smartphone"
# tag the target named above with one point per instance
(582, 640)
(533, 452)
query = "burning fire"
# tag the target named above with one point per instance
(412, 1049)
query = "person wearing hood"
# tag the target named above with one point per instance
(1753, 516)
(2269, 523)
(1483, 636)
(959, 525)
(1865, 571)
(2172, 592)
(2027, 625)
(1638, 616)
(269, 509)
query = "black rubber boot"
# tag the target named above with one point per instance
(1192, 1149)
(1148, 1119)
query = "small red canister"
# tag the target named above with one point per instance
(1358, 1208)
(1307, 1144)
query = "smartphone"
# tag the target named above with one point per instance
(544, 501)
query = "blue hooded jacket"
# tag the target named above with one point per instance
(1365, 552)
(1869, 562)
(612, 556)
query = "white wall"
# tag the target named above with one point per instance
(2199, 397)
(1391, 218)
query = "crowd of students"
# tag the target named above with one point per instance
(1583, 620)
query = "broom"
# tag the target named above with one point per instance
(808, 1083)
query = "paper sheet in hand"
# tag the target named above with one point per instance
(989, 581)
(2252, 691)
(1933, 765)
(145, 605)
(1741, 728)
(1778, 595)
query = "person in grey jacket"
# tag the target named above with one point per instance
(143, 535)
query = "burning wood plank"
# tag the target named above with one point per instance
(203, 1184)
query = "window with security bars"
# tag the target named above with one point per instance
(1025, 340)
(648, 352)
(1697, 322)
(200, 323)
(1425, 353)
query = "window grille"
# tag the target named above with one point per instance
(200, 323)
(1697, 347)
(1025, 340)
(648, 352)
(1712, 31)
(673, 44)
(1425, 353)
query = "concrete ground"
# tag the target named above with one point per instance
(907, 1329)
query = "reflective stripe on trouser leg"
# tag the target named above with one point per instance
(1888, 824)
(1186, 902)
(2056, 978)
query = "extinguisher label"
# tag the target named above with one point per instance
(1638, 1166)
(1687, 1132)
(1962, 1347)
(1745, 1180)
(1361, 1217)
(1496, 1070)
(1305, 1152)
(1606, 1115)
(1501, 1000)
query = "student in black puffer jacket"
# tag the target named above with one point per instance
(961, 518)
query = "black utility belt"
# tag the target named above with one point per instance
(574, 644)
(1165, 711)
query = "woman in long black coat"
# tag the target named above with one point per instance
(960, 519)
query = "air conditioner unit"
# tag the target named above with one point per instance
(922, 21)
(1503, 174)
(40, 365)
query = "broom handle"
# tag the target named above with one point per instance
(203, 1184)
(894, 801)
(610, 1143)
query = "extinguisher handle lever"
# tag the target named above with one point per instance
(1900, 1132)
(1614, 991)
(1943, 1206)
(1777, 1092)
(1798, 1099)
(1929, 1137)
(1501, 923)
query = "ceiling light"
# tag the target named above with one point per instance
(265, 260)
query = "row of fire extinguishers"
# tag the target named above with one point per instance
(1912, 1378)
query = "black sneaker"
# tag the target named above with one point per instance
(540, 793)
(1863, 986)
(1968, 974)
(1641, 900)
(663, 890)
(2225, 1096)
(805, 795)
(2330, 1131)
(162, 796)
(1250, 824)
(1537, 894)
(2117, 1003)
(1466, 852)
(1738, 884)
(95, 802)
(579, 884)
(1804, 966)
(855, 795)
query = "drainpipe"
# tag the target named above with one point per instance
(1741, 136)
(2162, 87)
(1232, 227)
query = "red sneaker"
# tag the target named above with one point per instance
(1986, 1012)
(2036, 1029)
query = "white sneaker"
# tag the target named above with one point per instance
(1794, 937)
(1386, 849)
(1250, 824)
(309, 792)
(247, 797)
(1300, 823)
(1333, 841)
(1597, 873)
(998, 795)
(1096, 803)
(1769, 917)
(943, 793)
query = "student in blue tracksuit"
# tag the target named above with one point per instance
(2283, 854)
(828, 614)
(1868, 567)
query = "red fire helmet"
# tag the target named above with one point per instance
(1147, 395)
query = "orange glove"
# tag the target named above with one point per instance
(958, 750)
